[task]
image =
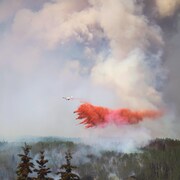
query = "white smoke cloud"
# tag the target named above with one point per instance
(8, 8)
(126, 27)
(117, 74)
(125, 139)
(55, 23)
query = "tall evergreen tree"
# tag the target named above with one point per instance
(42, 171)
(24, 167)
(68, 174)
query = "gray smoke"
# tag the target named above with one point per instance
(112, 53)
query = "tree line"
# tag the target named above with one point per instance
(26, 167)
(160, 160)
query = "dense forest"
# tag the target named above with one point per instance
(160, 160)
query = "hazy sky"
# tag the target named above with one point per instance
(112, 53)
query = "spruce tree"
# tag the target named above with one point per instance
(68, 174)
(42, 171)
(25, 165)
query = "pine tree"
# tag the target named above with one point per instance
(67, 174)
(24, 167)
(42, 171)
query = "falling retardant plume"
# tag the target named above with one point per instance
(93, 116)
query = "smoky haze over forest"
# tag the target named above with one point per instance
(112, 53)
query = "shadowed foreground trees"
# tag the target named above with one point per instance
(26, 167)
(68, 174)
(42, 171)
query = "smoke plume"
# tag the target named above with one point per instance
(167, 8)
(109, 53)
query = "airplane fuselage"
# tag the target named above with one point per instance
(67, 98)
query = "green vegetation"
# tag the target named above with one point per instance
(25, 166)
(68, 174)
(160, 160)
(42, 171)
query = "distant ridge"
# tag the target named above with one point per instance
(45, 139)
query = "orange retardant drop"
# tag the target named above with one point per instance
(92, 116)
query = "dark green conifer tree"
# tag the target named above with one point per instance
(42, 170)
(68, 174)
(25, 165)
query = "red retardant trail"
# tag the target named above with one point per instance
(92, 116)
